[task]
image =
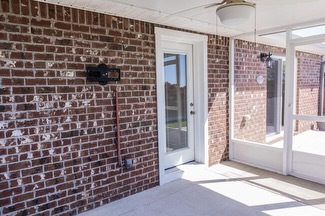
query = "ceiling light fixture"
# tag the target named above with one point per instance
(235, 12)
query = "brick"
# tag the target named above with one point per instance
(25, 107)
(81, 28)
(34, 7)
(44, 10)
(74, 15)
(51, 12)
(43, 57)
(3, 36)
(41, 40)
(96, 30)
(11, 28)
(25, 7)
(47, 89)
(36, 31)
(6, 46)
(21, 55)
(53, 32)
(40, 65)
(67, 14)
(41, 23)
(63, 42)
(75, 66)
(5, 6)
(62, 25)
(106, 39)
(115, 47)
(37, 201)
(5, 202)
(22, 73)
(24, 30)
(88, 18)
(18, 20)
(44, 207)
(81, 16)
(61, 208)
(23, 197)
(69, 122)
(36, 81)
(20, 38)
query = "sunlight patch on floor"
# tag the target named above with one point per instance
(246, 194)
(296, 211)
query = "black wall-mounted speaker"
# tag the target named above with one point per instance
(102, 74)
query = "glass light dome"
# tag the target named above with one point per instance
(235, 13)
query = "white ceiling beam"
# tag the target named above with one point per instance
(282, 29)
(308, 40)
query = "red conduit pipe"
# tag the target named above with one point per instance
(118, 141)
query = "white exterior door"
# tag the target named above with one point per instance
(178, 103)
(182, 100)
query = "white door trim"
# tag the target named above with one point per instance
(200, 73)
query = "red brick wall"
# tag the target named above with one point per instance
(57, 131)
(218, 87)
(250, 97)
(307, 88)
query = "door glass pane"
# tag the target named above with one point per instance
(175, 101)
(272, 102)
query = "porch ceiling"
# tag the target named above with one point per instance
(274, 15)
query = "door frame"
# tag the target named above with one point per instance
(200, 86)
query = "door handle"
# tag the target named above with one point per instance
(192, 112)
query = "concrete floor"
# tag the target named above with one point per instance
(230, 189)
(310, 141)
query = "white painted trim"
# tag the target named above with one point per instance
(283, 58)
(160, 112)
(200, 70)
(308, 166)
(231, 96)
(308, 40)
(289, 105)
(301, 164)
(309, 118)
(290, 165)
(200, 50)
(282, 29)
(258, 155)
(308, 177)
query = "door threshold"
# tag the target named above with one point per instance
(175, 173)
(172, 174)
(272, 138)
